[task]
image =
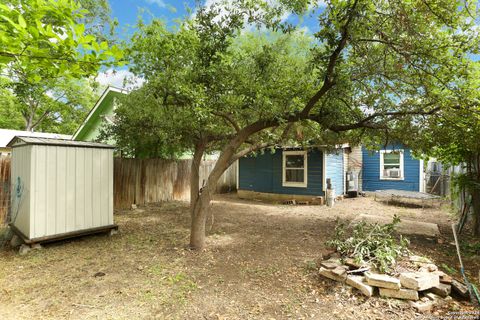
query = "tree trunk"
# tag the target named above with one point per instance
(195, 174)
(475, 193)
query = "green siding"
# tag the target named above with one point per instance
(91, 129)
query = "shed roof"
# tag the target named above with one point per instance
(6, 135)
(57, 142)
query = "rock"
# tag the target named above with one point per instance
(351, 263)
(459, 288)
(432, 296)
(446, 279)
(419, 259)
(442, 289)
(440, 241)
(405, 294)
(112, 232)
(329, 264)
(16, 241)
(134, 206)
(358, 282)
(429, 267)
(422, 306)
(99, 274)
(419, 280)
(24, 249)
(382, 281)
(340, 270)
(36, 246)
(330, 275)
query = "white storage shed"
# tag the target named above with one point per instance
(60, 188)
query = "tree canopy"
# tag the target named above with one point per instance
(47, 50)
(372, 67)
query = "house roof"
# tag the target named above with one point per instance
(57, 142)
(6, 135)
(101, 103)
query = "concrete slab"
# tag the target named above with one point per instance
(404, 227)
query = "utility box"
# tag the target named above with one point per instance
(60, 188)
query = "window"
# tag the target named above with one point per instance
(295, 169)
(391, 165)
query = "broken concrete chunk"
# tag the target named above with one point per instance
(443, 290)
(429, 267)
(419, 280)
(382, 281)
(459, 288)
(340, 270)
(24, 249)
(446, 279)
(422, 306)
(330, 275)
(419, 259)
(329, 264)
(352, 263)
(405, 294)
(432, 296)
(358, 282)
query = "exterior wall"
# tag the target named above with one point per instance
(20, 178)
(371, 172)
(71, 189)
(263, 173)
(334, 170)
(91, 129)
(355, 163)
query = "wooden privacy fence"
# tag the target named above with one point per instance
(139, 181)
(4, 188)
(143, 181)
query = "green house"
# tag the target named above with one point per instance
(102, 113)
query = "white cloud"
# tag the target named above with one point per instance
(159, 3)
(120, 79)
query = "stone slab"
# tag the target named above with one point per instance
(460, 289)
(419, 281)
(329, 264)
(422, 306)
(405, 294)
(358, 282)
(404, 227)
(443, 290)
(382, 281)
(330, 275)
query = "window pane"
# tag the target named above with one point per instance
(294, 161)
(294, 175)
(391, 158)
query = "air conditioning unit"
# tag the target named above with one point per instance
(393, 173)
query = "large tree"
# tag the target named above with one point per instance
(372, 65)
(46, 51)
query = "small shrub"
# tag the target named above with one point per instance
(373, 244)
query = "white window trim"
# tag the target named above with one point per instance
(284, 167)
(402, 167)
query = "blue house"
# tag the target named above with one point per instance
(393, 167)
(292, 173)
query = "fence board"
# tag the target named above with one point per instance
(143, 181)
(140, 181)
(4, 188)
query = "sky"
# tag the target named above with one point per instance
(127, 13)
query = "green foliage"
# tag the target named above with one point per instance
(370, 243)
(48, 49)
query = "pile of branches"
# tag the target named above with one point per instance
(370, 244)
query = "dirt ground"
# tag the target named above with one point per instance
(260, 263)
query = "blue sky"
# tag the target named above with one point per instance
(127, 13)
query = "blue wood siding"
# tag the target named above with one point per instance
(334, 169)
(371, 172)
(263, 173)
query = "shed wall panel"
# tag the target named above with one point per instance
(20, 188)
(69, 188)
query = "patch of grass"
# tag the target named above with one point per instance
(471, 248)
(449, 269)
